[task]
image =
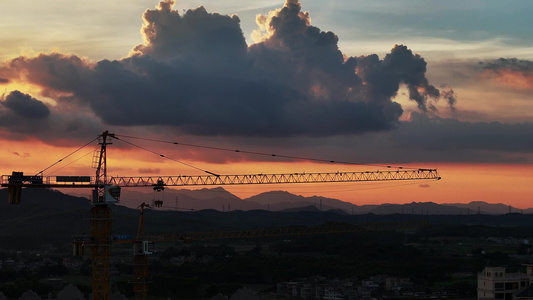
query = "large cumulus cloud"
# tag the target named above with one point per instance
(195, 73)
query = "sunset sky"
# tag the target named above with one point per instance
(414, 83)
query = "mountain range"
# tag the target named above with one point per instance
(222, 200)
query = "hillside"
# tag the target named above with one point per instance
(220, 199)
(216, 198)
(47, 216)
(282, 200)
(43, 216)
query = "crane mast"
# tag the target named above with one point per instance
(107, 190)
(141, 248)
(101, 227)
(101, 169)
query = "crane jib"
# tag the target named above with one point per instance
(183, 180)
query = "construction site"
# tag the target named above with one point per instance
(106, 191)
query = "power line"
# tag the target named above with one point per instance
(263, 154)
(170, 158)
(70, 163)
(41, 172)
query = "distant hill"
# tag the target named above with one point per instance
(282, 200)
(299, 209)
(43, 215)
(184, 199)
(422, 208)
(49, 216)
(486, 208)
(222, 200)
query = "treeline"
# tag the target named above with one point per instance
(428, 257)
(358, 255)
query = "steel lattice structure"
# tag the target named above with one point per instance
(201, 180)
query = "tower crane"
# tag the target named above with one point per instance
(106, 190)
(141, 248)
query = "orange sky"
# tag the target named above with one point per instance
(460, 183)
(354, 83)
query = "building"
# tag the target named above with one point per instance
(495, 283)
(392, 283)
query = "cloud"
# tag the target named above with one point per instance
(513, 64)
(422, 141)
(447, 140)
(196, 74)
(399, 66)
(25, 106)
(23, 116)
(451, 98)
(25, 154)
(204, 37)
(149, 171)
(510, 72)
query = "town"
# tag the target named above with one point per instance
(385, 265)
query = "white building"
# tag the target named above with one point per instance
(495, 283)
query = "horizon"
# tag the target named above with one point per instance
(134, 203)
(368, 84)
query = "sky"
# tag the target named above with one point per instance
(414, 83)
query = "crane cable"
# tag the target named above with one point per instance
(41, 172)
(264, 154)
(170, 158)
(54, 171)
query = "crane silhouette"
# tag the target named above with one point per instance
(106, 190)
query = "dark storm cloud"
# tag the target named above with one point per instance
(451, 97)
(196, 73)
(513, 64)
(197, 35)
(451, 134)
(55, 71)
(514, 73)
(23, 116)
(428, 139)
(436, 139)
(399, 66)
(25, 106)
